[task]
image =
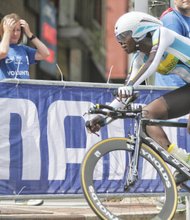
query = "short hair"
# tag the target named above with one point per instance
(17, 18)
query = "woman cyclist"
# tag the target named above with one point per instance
(156, 49)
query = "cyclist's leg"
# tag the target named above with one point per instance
(171, 105)
(157, 110)
(178, 102)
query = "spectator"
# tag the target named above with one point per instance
(16, 58)
(178, 20)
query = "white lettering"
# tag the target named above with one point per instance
(97, 154)
(158, 165)
(107, 213)
(59, 155)
(18, 73)
(30, 134)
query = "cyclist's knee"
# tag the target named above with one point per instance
(156, 109)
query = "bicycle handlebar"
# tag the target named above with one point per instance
(117, 113)
(130, 111)
(109, 111)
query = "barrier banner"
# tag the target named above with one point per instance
(43, 137)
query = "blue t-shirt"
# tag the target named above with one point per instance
(17, 62)
(179, 23)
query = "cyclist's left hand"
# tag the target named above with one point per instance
(125, 91)
(95, 124)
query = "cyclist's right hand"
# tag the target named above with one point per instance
(95, 124)
(125, 91)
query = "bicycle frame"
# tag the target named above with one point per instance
(142, 137)
(135, 147)
(126, 154)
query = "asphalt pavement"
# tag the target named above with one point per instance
(67, 209)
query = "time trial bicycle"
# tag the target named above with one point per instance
(110, 197)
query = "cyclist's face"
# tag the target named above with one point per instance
(128, 44)
(183, 5)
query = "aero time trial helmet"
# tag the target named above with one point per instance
(137, 23)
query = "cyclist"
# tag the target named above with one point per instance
(156, 49)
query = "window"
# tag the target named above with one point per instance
(97, 11)
(83, 12)
(157, 7)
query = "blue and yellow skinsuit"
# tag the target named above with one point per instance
(176, 21)
(169, 48)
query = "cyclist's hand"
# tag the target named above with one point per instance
(125, 91)
(95, 124)
(188, 125)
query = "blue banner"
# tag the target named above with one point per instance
(43, 136)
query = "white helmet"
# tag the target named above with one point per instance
(138, 23)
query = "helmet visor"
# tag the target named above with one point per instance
(122, 37)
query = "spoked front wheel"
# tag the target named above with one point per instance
(104, 171)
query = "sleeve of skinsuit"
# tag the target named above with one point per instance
(137, 61)
(160, 45)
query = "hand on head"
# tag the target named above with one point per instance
(25, 27)
(9, 24)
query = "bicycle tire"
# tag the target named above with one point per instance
(93, 192)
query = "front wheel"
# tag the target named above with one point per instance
(104, 172)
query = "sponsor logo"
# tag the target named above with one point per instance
(158, 165)
(97, 154)
(98, 203)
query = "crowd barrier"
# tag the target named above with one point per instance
(43, 137)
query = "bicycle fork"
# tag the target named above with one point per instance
(132, 175)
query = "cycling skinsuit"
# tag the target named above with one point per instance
(173, 20)
(164, 41)
(167, 44)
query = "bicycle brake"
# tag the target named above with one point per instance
(130, 183)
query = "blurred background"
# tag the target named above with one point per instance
(80, 36)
